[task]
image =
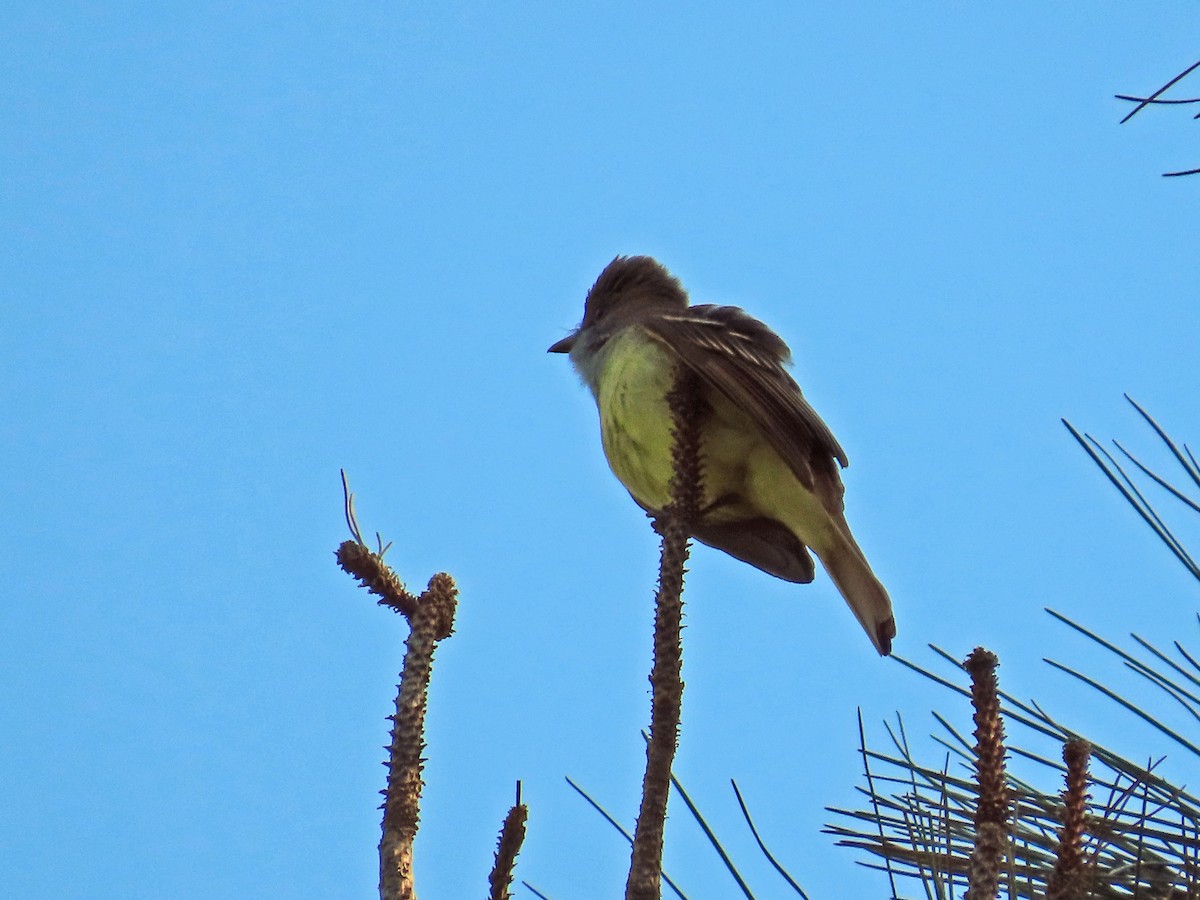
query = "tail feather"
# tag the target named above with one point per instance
(866, 597)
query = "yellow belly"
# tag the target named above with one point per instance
(739, 464)
(635, 422)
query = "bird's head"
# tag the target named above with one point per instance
(626, 287)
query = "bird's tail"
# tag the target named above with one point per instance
(867, 598)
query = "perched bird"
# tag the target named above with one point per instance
(770, 465)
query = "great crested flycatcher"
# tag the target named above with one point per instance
(770, 465)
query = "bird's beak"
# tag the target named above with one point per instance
(565, 345)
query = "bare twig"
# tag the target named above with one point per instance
(367, 565)
(1066, 881)
(674, 524)
(991, 810)
(402, 798)
(512, 835)
(431, 619)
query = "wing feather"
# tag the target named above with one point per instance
(744, 360)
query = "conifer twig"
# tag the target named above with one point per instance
(1143, 832)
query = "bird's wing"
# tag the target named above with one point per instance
(744, 360)
(763, 543)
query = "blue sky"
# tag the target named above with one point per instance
(248, 244)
